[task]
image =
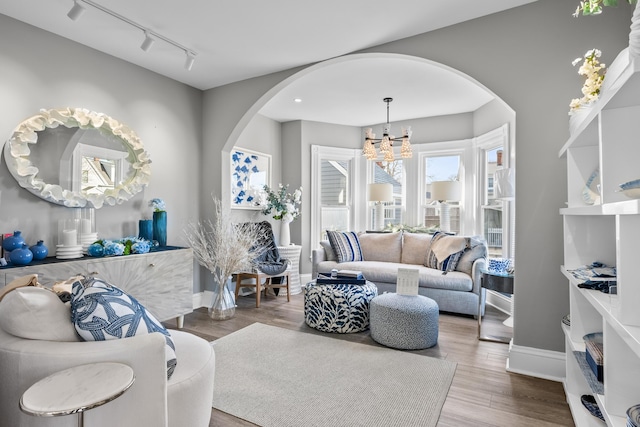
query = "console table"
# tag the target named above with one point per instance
(76, 390)
(162, 280)
(292, 253)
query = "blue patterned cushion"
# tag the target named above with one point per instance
(345, 245)
(101, 311)
(448, 264)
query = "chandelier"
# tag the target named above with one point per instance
(386, 143)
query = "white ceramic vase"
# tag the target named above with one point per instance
(285, 233)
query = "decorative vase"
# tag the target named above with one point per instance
(145, 229)
(160, 227)
(13, 242)
(39, 250)
(634, 34)
(223, 306)
(285, 236)
(22, 256)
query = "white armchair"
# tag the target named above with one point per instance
(183, 400)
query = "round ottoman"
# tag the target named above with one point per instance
(338, 308)
(406, 322)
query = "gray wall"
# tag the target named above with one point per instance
(41, 70)
(524, 56)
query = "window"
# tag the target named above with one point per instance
(383, 172)
(332, 174)
(497, 221)
(441, 168)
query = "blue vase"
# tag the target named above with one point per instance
(145, 229)
(13, 242)
(22, 256)
(39, 250)
(160, 228)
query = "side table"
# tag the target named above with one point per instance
(292, 253)
(500, 282)
(76, 390)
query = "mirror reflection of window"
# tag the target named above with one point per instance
(97, 175)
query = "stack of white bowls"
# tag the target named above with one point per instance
(86, 239)
(68, 252)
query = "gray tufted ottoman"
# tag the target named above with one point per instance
(338, 308)
(407, 322)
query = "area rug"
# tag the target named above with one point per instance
(277, 377)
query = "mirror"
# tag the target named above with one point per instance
(77, 158)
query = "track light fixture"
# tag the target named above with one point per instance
(191, 58)
(149, 36)
(76, 11)
(148, 41)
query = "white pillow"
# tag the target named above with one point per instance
(37, 314)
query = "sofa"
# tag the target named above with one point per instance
(449, 266)
(38, 339)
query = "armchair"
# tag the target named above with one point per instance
(270, 271)
(26, 356)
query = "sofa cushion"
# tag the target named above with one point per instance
(445, 251)
(477, 250)
(381, 246)
(414, 247)
(387, 272)
(101, 311)
(345, 245)
(38, 314)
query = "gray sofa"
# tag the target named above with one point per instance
(456, 291)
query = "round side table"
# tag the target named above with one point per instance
(76, 390)
(500, 282)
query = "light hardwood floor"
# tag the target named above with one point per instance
(482, 394)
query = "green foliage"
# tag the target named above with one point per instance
(594, 7)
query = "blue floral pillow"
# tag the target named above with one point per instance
(101, 311)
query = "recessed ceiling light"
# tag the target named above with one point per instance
(297, 100)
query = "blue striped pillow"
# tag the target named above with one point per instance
(345, 245)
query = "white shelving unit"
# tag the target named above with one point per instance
(606, 137)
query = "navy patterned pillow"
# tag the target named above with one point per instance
(345, 245)
(101, 311)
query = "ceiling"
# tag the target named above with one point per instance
(237, 40)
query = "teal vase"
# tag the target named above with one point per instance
(160, 228)
(145, 229)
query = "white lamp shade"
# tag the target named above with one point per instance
(504, 183)
(446, 190)
(380, 192)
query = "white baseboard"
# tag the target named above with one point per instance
(499, 301)
(202, 299)
(545, 364)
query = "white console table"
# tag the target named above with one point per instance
(292, 253)
(161, 281)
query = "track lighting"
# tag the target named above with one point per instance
(148, 41)
(76, 11)
(150, 37)
(190, 60)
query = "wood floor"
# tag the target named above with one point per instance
(482, 394)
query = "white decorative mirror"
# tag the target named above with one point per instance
(77, 158)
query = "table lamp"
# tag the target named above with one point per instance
(444, 191)
(379, 193)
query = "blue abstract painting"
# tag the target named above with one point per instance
(250, 172)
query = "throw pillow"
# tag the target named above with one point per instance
(381, 246)
(477, 249)
(445, 251)
(36, 313)
(328, 251)
(101, 311)
(345, 245)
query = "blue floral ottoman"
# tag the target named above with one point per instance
(338, 308)
(406, 322)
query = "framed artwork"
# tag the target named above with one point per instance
(250, 172)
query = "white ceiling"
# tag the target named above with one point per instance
(237, 40)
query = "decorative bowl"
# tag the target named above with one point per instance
(631, 184)
(632, 193)
(633, 415)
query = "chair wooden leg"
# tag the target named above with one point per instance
(257, 292)
(288, 276)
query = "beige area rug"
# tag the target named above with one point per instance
(277, 377)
